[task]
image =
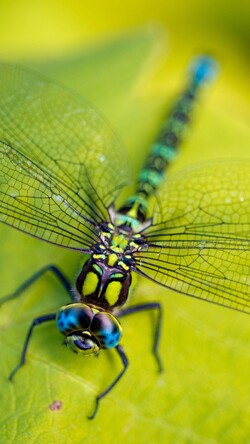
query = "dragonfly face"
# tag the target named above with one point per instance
(87, 330)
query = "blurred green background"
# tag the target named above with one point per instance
(129, 61)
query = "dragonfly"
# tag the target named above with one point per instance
(62, 172)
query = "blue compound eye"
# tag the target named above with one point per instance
(107, 329)
(74, 317)
(83, 343)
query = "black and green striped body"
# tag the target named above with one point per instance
(165, 148)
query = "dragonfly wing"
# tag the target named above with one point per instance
(199, 241)
(33, 202)
(67, 143)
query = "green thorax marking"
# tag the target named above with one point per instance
(119, 243)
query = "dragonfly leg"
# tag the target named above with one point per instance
(149, 306)
(53, 269)
(35, 322)
(125, 363)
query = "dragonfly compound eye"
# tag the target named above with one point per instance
(74, 317)
(88, 330)
(106, 329)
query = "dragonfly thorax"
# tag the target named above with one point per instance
(105, 278)
(102, 285)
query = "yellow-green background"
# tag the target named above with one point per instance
(128, 59)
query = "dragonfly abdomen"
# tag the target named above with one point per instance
(165, 149)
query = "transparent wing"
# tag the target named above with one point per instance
(199, 241)
(59, 160)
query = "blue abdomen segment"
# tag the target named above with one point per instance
(203, 68)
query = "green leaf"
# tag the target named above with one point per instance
(203, 394)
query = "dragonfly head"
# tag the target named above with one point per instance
(88, 330)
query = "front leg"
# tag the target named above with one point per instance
(149, 306)
(124, 359)
(37, 275)
(35, 322)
